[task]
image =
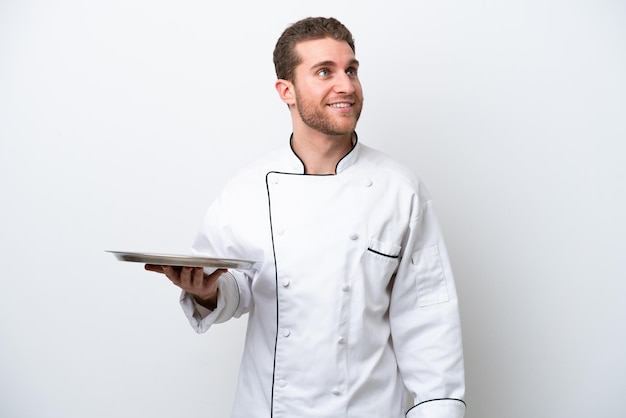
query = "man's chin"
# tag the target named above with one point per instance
(345, 126)
(340, 130)
(337, 127)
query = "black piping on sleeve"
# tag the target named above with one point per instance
(433, 400)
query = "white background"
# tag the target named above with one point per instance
(121, 120)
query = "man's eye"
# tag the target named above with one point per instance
(351, 71)
(323, 73)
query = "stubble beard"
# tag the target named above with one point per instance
(316, 118)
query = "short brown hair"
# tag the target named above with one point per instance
(285, 58)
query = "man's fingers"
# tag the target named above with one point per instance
(198, 275)
(186, 277)
(191, 279)
(218, 273)
(155, 268)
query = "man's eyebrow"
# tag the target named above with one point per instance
(330, 63)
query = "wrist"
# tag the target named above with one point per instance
(209, 303)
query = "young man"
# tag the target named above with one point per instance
(354, 300)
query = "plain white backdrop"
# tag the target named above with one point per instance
(121, 120)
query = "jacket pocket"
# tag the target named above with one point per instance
(430, 276)
(376, 269)
(384, 249)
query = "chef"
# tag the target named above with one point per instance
(352, 309)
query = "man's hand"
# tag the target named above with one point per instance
(194, 281)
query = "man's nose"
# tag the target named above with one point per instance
(344, 84)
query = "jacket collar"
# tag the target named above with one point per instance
(344, 163)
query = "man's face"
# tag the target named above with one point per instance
(328, 93)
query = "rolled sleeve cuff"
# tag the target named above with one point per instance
(438, 408)
(201, 318)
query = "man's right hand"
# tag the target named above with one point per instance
(194, 281)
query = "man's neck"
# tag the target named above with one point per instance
(321, 153)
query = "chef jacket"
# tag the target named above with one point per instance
(352, 303)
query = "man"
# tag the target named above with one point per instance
(354, 299)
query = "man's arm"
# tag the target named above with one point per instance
(425, 323)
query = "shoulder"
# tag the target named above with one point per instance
(397, 182)
(384, 165)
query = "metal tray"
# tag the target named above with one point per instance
(179, 260)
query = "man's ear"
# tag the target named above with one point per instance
(286, 91)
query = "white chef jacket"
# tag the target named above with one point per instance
(353, 299)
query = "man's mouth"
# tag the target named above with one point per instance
(340, 105)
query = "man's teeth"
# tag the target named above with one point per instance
(340, 105)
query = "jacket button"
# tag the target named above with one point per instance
(285, 282)
(341, 341)
(286, 332)
(336, 391)
(367, 182)
(354, 236)
(282, 383)
(345, 287)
